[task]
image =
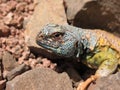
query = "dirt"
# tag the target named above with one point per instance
(13, 13)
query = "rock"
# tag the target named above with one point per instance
(70, 69)
(4, 30)
(44, 62)
(8, 61)
(111, 82)
(17, 71)
(99, 14)
(8, 18)
(0, 70)
(21, 6)
(1, 66)
(17, 21)
(1, 54)
(2, 84)
(40, 79)
(11, 5)
(50, 11)
(73, 7)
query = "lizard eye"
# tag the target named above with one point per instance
(58, 34)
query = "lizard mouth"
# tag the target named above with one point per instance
(47, 42)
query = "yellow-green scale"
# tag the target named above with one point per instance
(102, 58)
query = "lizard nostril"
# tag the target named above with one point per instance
(40, 36)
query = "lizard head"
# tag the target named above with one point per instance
(58, 39)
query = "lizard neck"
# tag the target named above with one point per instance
(84, 36)
(87, 39)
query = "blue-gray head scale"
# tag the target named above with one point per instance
(58, 39)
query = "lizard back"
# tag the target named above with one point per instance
(106, 38)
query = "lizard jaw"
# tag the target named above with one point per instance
(54, 50)
(46, 46)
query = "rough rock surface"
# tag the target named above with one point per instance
(2, 84)
(9, 62)
(73, 7)
(111, 82)
(1, 66)
(100, 14)
(17, 71)
(40, 79)
(50, 11)
(13, 49)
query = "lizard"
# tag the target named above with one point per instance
(98, 49)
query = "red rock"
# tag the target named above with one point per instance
(2, 84)
(13, 31)
(31, 7)
(32, 62)
(5, 72)
(46, 62)
(1, 76)
(21, 6)
(17, 20)
(4, 30)
(11, 4)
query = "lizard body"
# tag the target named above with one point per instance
(98, 49)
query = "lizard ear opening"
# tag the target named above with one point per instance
(77, 53)
(76, 44)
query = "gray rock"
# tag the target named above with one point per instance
(1, 54)
(8, 61)
(2, 84)
(111, 82)
(50, 11)
(94, 14)
(17, 71)
(0, 70)
(0, 66)
(40, 79)
(73, 7)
